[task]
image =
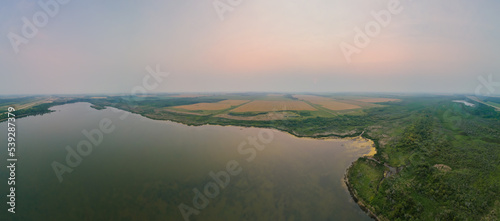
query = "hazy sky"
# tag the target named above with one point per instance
(97, 46)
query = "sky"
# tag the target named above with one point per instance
(103, 46)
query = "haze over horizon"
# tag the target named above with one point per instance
(287, 46)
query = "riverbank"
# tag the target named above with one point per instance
(363, 205)
(352, 192)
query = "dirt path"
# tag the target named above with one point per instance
(482, 102)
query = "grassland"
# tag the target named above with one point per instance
(447, 158)
(269, 106)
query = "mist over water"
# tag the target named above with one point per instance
(144, 169)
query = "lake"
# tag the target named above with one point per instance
(143, 169)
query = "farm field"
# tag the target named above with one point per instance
(269, 116)
(260, 106)
(23, 103)
(221, 105)
(327, 103)
(378, 100)
(267, 106)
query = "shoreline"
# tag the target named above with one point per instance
(362, 204)
(373, 150)
(324, 136)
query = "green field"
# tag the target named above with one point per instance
(465, 139)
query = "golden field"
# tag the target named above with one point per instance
(263, 105)
(327, 102)
(377, 100)
(221, 105)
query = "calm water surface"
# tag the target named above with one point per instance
(144, 169)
